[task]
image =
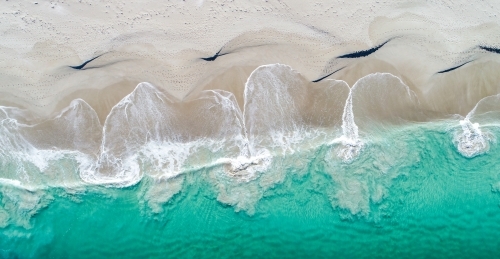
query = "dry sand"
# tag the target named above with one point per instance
(161, 42)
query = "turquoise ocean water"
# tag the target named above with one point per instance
(409, 194)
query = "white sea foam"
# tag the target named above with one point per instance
(162, 133)
(351, 144)
(471, 141)
(26, 170)
(18, 205)
(374, 102)
(284, 113)
(32, 149)
(36, 154)
(245, 168)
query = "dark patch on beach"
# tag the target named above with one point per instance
(108, 64)
(81, 67)
(318, 80)
(316, 29)
(214, 57)
(453, 68)
(494, 50)
(363, 53)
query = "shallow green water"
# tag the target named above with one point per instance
(421, 199)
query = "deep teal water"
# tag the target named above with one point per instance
(422, 200)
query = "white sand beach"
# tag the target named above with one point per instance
(162, 43)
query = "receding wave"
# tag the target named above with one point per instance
(28, 150)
